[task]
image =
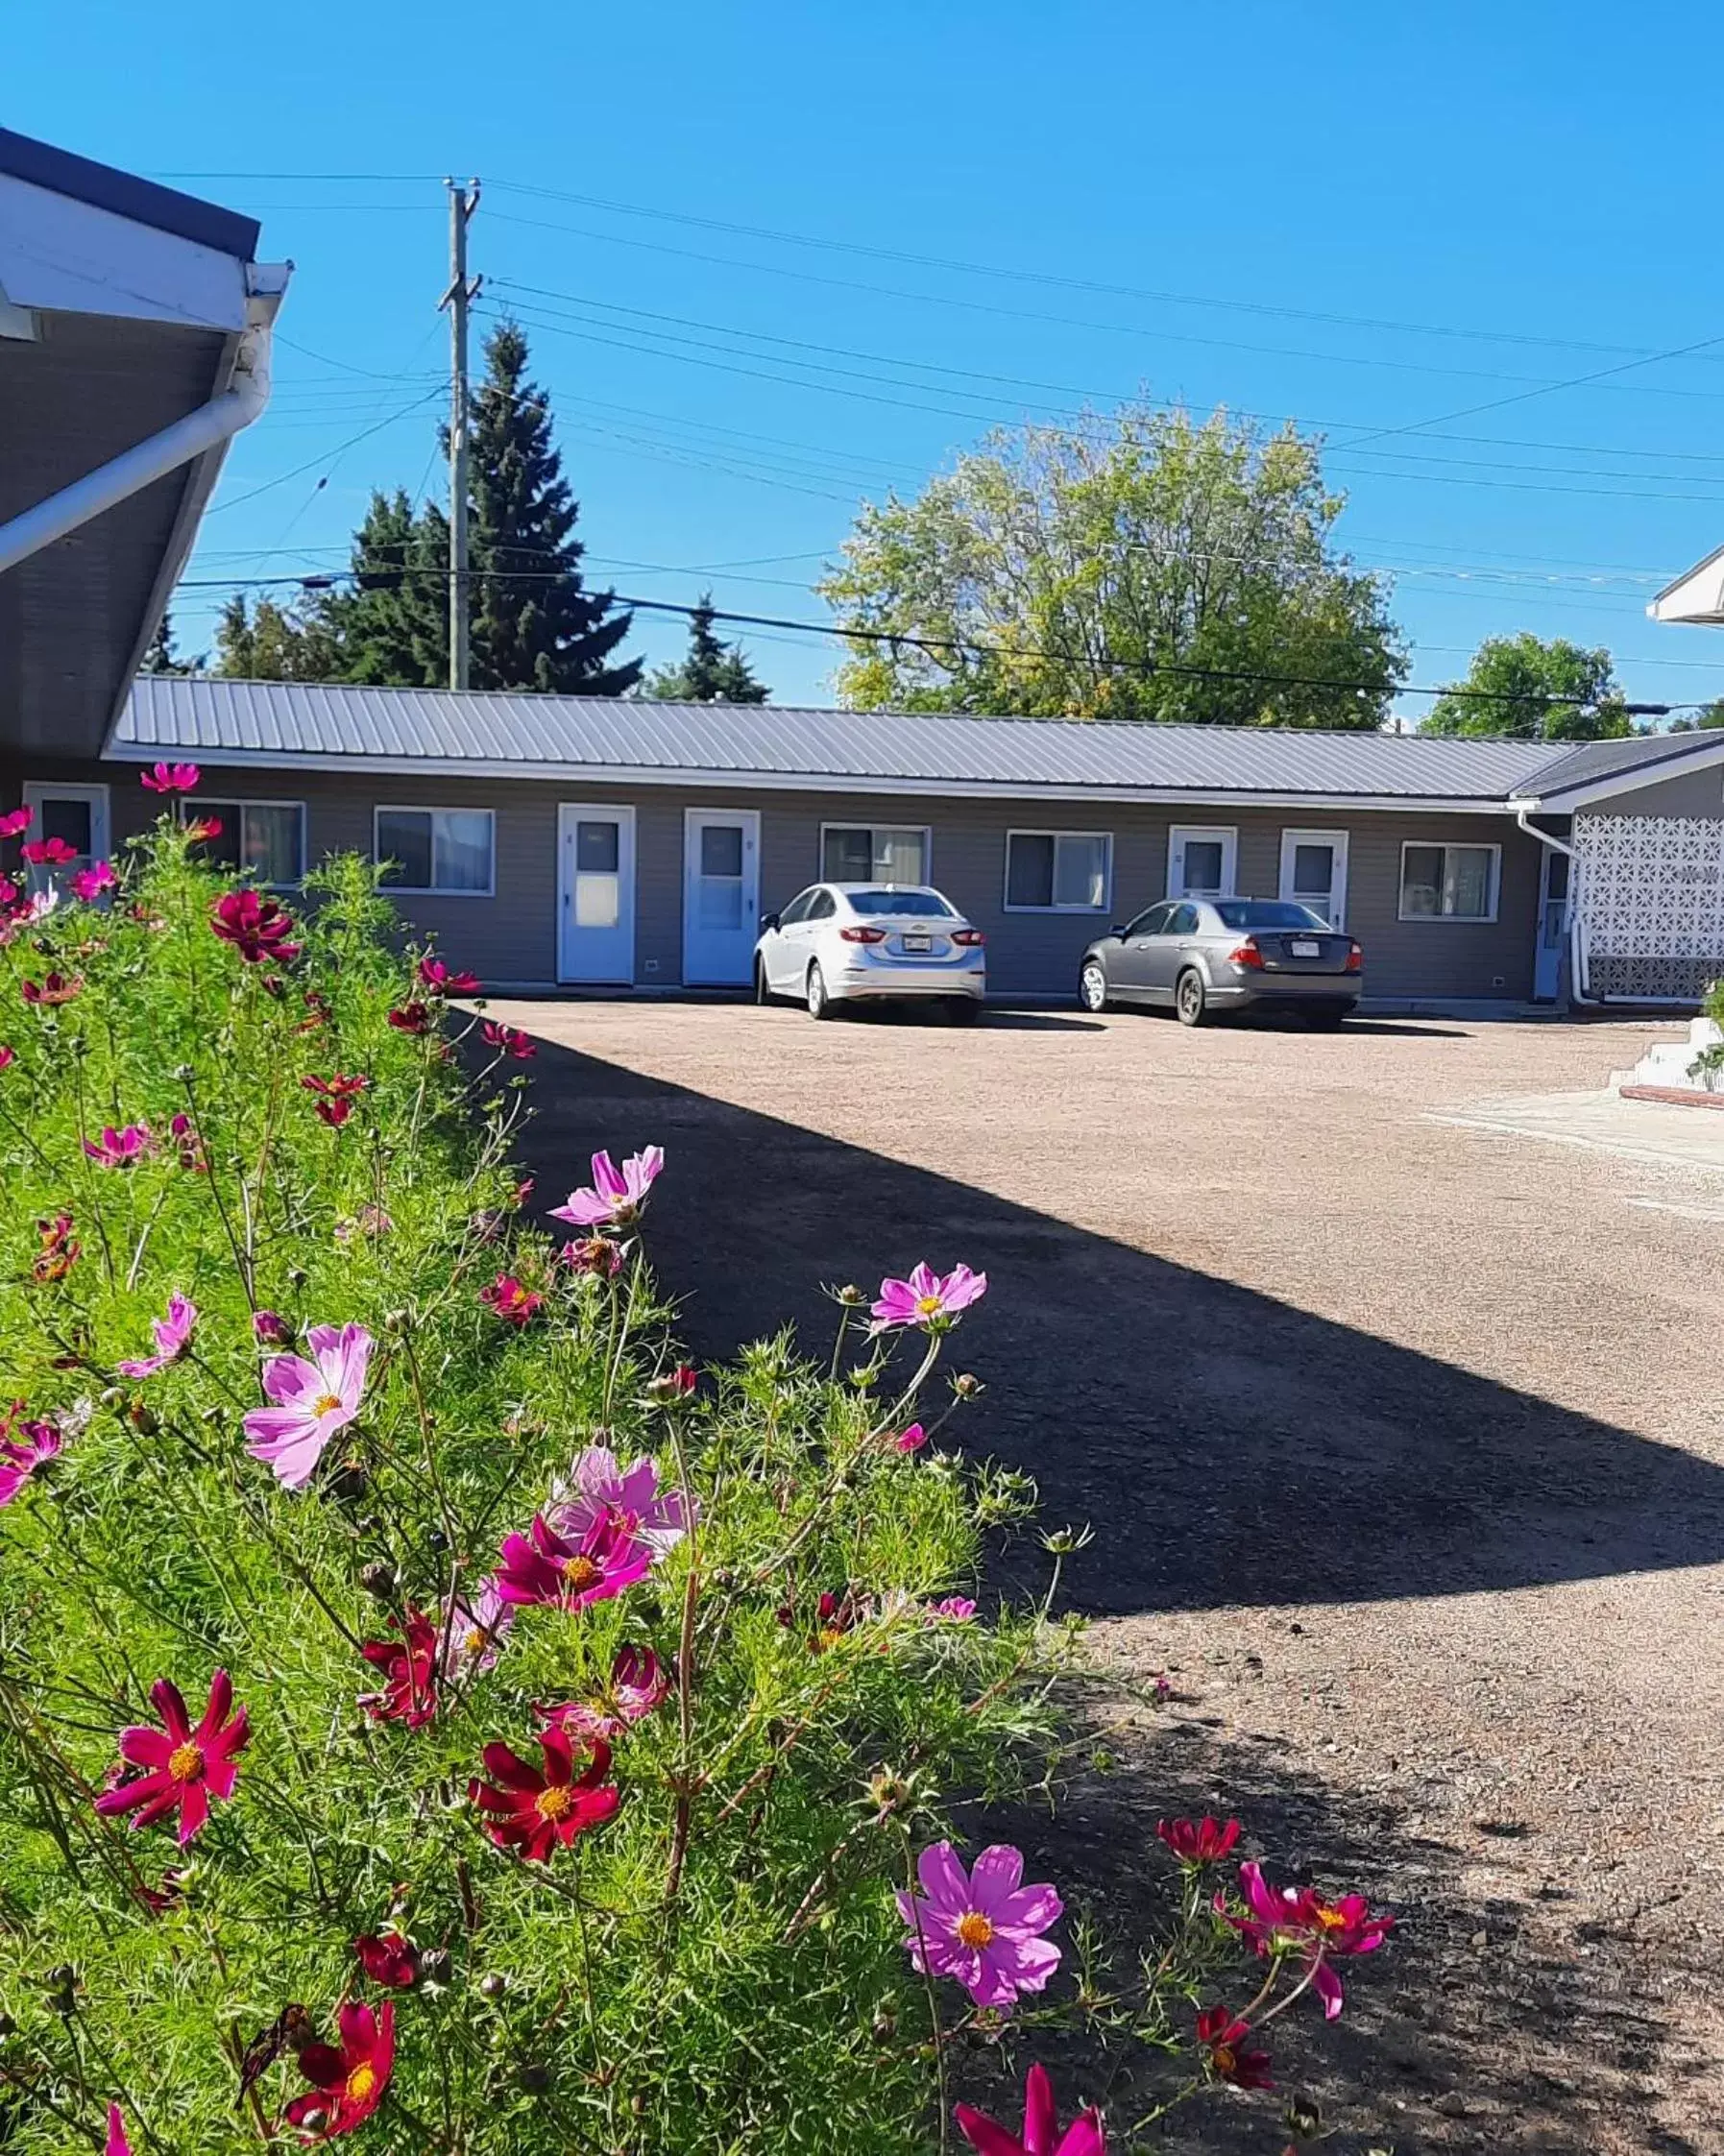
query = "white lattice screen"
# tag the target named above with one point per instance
(1651, 903)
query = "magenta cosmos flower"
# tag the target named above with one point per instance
(170, 778)
(173, 1337)
(312, 1399)
(116, 2143)
(615, 1195)
(638, 1684)
(1199, 1841)
(260, 929)
(15, 822)
(440, 980)
(507, 1040)
(347, 2085)
(544, 1566)
(124, 1147)
(1298, 1920)
(89, 883)
(1041, 2135)
(24, 1455)
(534, 1811)
(927, 1299)
(983, 1926)
(181, 1768)
(49, 853)
(512, 1301)
(626, 1501)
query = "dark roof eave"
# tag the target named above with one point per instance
(143, 201)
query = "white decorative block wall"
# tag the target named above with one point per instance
(1652, 903)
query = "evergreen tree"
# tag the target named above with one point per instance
(270, 642)
(391, 624)
(534, 624)
(712, 673)
(160, 657)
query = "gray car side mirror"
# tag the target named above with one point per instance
(1118, 932)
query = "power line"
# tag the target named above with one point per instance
(281, 480)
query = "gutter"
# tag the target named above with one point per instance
(1577, 954)
(211, 427)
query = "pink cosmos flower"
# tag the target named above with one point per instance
(616, 1195)
(1041, 2135)
(170, 778)
(535, 1811)
(544, 1566)
(1199, 1841)
(599, 1494)
(89, 883)
(173, 1337)
(476, 1631)
(312, 1400)
(116, 2143)
(124, 1147)
(389, 1958)
(48, 852)
(409, 1665)
(512, 1301)
(954, 1610)
(925, 1299)
(983, 1926)
(639, 1683)
(23, 1455)
(181, 1768)
(911, 1440)
(347, 2086)
(52, 991)
(15, 822)
(271, 1328)
(507, 1040)
(259, 928)
(439, 979)
(1298, 1920)
(7, 1057)
(187, 1143)
(593, 1254)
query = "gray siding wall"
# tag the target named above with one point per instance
(1692, 794)
(511, 937)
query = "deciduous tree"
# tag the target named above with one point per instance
(1534, 688)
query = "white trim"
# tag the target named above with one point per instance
(1229, 836)
(748, 820)
(190, 811)
(96, 791)
(1451, 920)
(1292, 836)
(623, 814)
(872, 824)
(433, 809)
(1104, 904)
(861, 786)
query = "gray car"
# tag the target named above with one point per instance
(1204, 955)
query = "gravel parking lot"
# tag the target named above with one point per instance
(1400, 1441)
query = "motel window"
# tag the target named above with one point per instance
(262, 838)
(449, 851)
(1449, 882)
(873, 853)
(1058, 871)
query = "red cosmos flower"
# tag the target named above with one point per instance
(169, 1895)
(170, 778)
(593, 1254)
(512, 1301)
(259, 928)
(834, 1614)
(543, 1567)
(59, 1252)
(48, 852)
(1222, 2041)
(181, 1768)
(532, 1811)
(412, 1017)
(51, 993)
(7, 1057)
(335, 1096)
(347, 2086)
(1199, 1841)
(199, 830)
(410, 1667)
(15, 822)
(673, 1386)
(187, 1143)
(317, 1012)
(1291, 1919)
(439, 981)
(389, 1958)
(507, 1040)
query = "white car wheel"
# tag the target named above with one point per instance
(1092, 986)
(820, 1003)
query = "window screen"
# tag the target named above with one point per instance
(864, 854)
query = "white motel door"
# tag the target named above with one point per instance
(595, 896)
(721, 896)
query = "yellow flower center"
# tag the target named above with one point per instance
(475, 1641)
(361, 2082)
(1331, 1920)
(1223, 2058)
(928, 1305)
(555, 1804)
(326, 1403)
(974, 1930)
(579, 1574)
(185, 1763)
(825, 1640)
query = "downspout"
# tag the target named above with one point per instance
(1576, 955)
(193, 436)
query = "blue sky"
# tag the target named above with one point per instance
(1361, 218)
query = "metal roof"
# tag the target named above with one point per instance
(507, 734)
(65, 173)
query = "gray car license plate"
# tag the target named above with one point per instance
(919, 943)
(1302, 948)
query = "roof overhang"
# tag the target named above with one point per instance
(1696, 598)
(1707, 752)
(125, 308)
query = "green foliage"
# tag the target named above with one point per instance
(1533, 689)
(390, 625)
(160, 656)
(1704, 721)
(1054, 571)
(269, 641)
(712, 673)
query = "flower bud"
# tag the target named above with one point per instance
(315, 2119)
(379, 1578)
(850, 1295)
(184, 1073)
(434, 1965)
(113, 1395)
(493, 1985)
(885, 2023)
(966, 1385)
(297, 1276)
(271, 1328)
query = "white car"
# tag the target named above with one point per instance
(843, 943)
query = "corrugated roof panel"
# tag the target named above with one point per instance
(206, 716)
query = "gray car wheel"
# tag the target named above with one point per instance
(1092, 986)
(1190, 1002)
(820, 1003)
(761, 993)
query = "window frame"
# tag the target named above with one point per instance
(381, 809)
(1105, 904)
(1448, 846)
(190, 811)
(871, 826)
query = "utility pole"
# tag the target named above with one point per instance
(463, 201)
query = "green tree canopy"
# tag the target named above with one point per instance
(273, 642)
(1145, 567)
(710, 673)
(1708, 717)
(161, 655)
(1533, 689)
(389, 626)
